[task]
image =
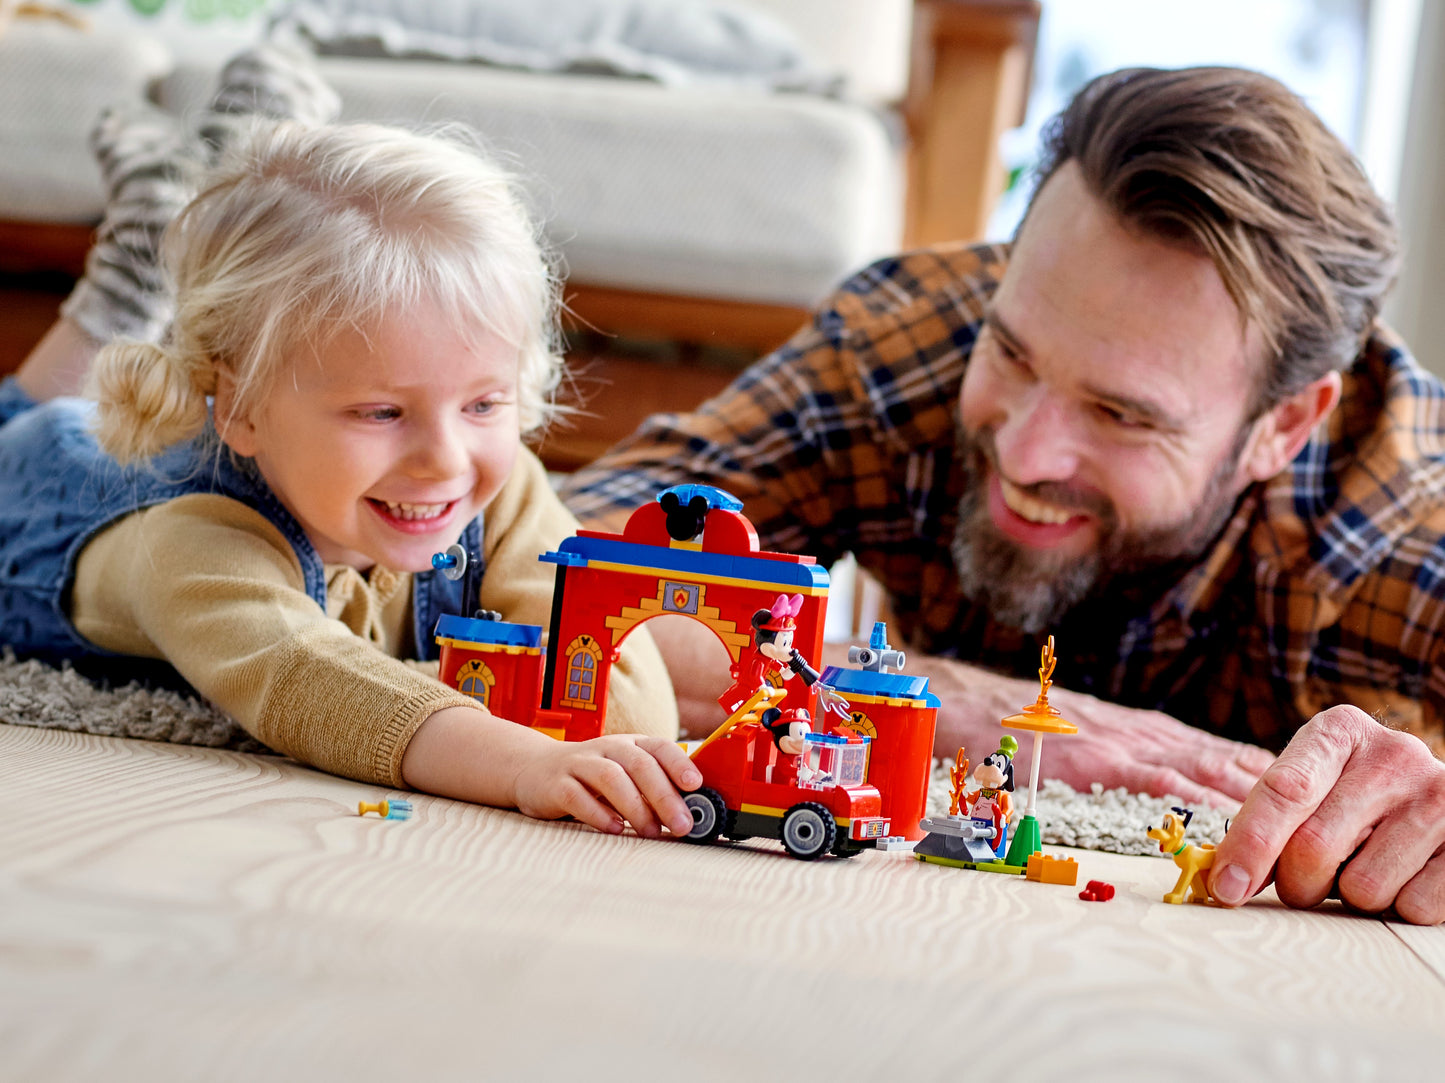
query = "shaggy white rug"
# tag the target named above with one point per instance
(34, 694)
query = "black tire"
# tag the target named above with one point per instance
(846, 847)
(709, 814)
(808, 830)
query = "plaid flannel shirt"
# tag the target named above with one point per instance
(1326, 586)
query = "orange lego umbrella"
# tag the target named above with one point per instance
(1040, 718)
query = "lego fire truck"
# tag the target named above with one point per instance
(816, 801)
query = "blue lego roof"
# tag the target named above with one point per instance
(500, 633)
(782, 573)
(868, 683)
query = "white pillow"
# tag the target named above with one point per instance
(676, 42)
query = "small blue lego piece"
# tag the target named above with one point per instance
(398, 810)
(392, 809)
(456, 563)
(717, 499)
(570, 560)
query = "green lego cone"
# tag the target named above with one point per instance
(1027, 841)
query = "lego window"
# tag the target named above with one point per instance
(584, 659)
(476, 680)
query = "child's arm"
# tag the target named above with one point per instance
(474, 756)
(210, 586)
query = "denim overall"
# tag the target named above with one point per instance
(58, 490)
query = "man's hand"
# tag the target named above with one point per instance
(1143, 751)
(1348, 799)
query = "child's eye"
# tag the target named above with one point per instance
(376, 413)
(483, 407)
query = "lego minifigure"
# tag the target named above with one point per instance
(991, 804)
(790, 730)
(771, 652)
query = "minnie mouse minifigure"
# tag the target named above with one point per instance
(771, 652)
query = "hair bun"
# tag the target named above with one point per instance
(147, 400)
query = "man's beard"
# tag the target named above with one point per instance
(1032, 590)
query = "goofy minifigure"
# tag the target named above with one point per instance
(991, 804)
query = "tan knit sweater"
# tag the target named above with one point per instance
(212, 587)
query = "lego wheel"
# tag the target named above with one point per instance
(845, 847)
(709, 814)
(809, 830)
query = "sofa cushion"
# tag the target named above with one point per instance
(684, 190)
(54, 82)
(676, 42)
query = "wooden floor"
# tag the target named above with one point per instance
(171, 913)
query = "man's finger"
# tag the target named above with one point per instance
(1284, 798)
(1422, 900)
(1394, 852)
(1253, 759)
(1225, 775)
(1167, 782)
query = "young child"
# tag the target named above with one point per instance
(362, 334)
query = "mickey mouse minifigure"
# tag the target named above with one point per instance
(790, 730)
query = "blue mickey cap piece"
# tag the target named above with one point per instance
(717, 499)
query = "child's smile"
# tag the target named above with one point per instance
(413, 518)
(385, 444)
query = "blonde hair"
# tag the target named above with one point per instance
(304, 231)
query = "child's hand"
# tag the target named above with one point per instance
(610, 779)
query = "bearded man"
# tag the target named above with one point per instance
(1163, 424)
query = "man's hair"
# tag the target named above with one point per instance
(1232, 164)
